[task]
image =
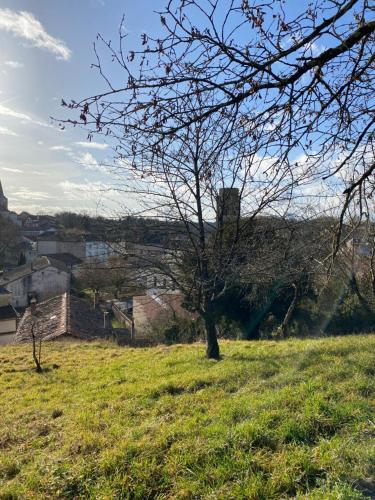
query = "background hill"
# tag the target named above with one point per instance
(271, 420)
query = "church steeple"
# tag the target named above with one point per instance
(3, 200)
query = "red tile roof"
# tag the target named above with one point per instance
(64, 315)
(158, 307)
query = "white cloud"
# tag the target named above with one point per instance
(7, 131)
(89, 162)
(60, 148)
(35, 208)
(91, 145)
(44, 124)
(86, 186)
(85, 190)
(93, 196)
(29, 194)
(315, 48)
(24, 25)
(14, 114)
(14, 64)
(13, 170)
(11, 113)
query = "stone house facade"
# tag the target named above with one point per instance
(41, 279)
(59, 244)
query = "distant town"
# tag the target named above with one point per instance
(86, 278)
(84, 284)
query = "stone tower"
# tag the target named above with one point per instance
(228, 205)
(3, 200)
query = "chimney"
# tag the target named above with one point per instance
(33, 306)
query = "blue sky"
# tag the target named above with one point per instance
(46, 53)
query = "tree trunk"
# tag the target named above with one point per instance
(355, 289)
(35, 357)
(212, 350)
(284, 329)
(372, 267)
(96, 298)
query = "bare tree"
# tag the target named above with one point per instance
(206, 182)
(284, 258)
(36, 338)
(37, 348)
(94, 275)
(354, 263)
(122, 275)
(241, 95)
(301, 79)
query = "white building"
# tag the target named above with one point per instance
(86, 248)
(41, 279)
(99, 251)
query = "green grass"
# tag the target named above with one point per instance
(292, 419)
(117, 324)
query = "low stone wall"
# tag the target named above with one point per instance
(122, 336)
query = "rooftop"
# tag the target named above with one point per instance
(66, 258)
(158, 306)
(27, 269)
(72, 238)
(63, 315)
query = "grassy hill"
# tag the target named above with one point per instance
(271, 420)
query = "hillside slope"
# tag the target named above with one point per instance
(271, 420)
